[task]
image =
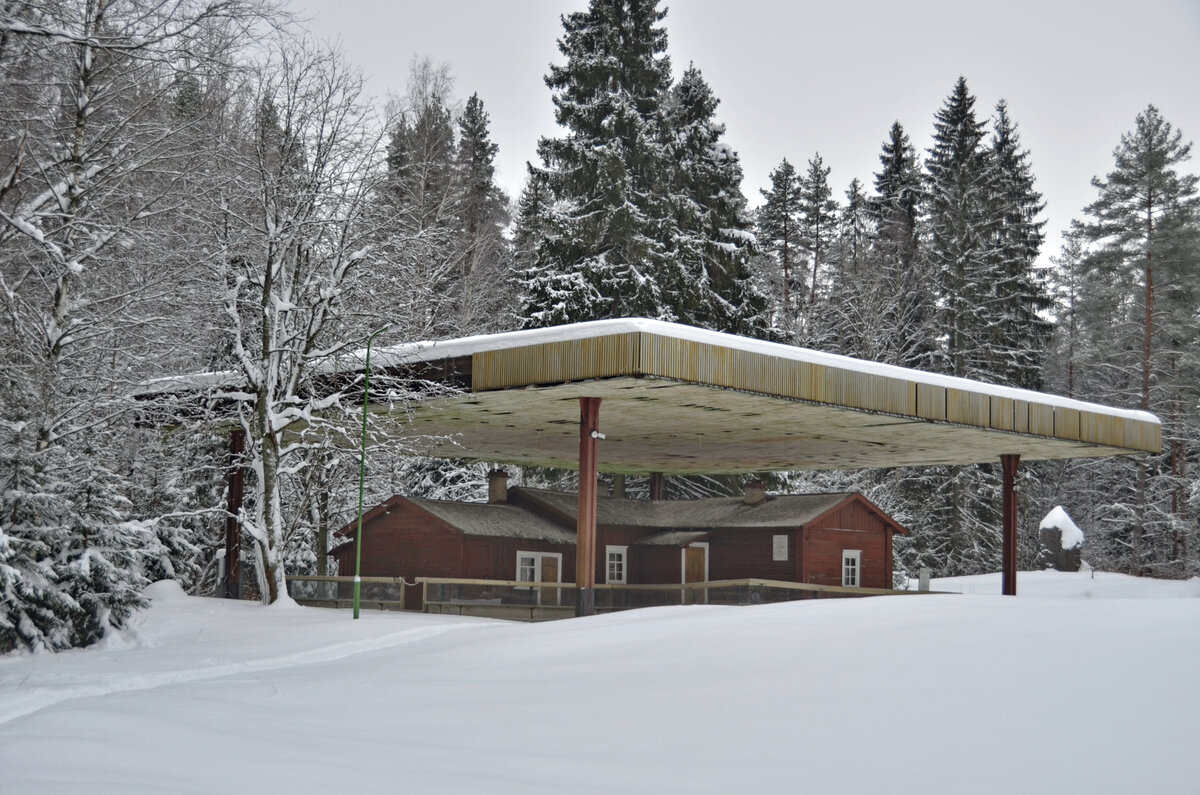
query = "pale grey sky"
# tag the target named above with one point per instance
(795, 78)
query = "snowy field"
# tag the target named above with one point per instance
(1081, 684)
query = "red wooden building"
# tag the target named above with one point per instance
(529, 534)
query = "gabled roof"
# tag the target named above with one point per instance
(496, 519)
(785, 510)
(668, 522)
(471, 518)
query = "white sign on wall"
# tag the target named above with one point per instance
(779, 546)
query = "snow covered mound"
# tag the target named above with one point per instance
(906, 694)
(1065, 585)
(164, 591)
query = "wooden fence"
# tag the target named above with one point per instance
(538, 601)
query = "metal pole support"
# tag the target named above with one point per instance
(585, 529)
(1009, 464)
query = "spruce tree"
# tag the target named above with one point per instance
(961, 227)
(714, 239)
(1019, 332)
(606, 252)
(906, 288)
(962, 256)
(482, 206)
(842, 326)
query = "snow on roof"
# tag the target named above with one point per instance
(466, 346)
(437, 350)
(1072, 536)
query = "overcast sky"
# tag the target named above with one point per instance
(795, 78)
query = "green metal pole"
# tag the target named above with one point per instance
(362, 476)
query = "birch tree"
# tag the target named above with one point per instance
(90, 165)
(292, 226)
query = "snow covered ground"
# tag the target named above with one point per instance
(1048, 692)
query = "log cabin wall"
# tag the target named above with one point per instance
(655, 564)
(405, 541)
(738, 554)
(822, 556)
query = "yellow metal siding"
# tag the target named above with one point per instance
(1066, 423)
(555, 362)
(645, 354)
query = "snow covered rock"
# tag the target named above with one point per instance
(1060, 541)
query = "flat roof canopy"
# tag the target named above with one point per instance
(682, 400)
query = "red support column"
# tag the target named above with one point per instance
(658, 486)
(1009, 464)
(233, 526)
(585, 537)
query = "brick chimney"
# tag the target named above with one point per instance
(497, 486)
(755, 493)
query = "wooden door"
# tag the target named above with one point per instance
(693, 564)
(549, 573)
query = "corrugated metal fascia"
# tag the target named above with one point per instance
(750, 371)
(609, 356)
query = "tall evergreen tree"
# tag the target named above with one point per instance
(484, 292)
(906, 287)
(1142, 307)
(606, 251)
(779, 231)
(1019, 332)
(842, 326)
(482, 210)
(818, 226)
(714, 237)
(961, 227)
(533, 210)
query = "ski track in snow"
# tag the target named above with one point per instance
(35, 700)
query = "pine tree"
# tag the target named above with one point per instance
(779, 231)
(1142, 303)
(484, 295)
(818, 225)
(606, 252)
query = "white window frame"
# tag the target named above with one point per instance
(537, 571)
(854, 555)
(613, 549)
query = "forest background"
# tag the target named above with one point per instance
(201, 186)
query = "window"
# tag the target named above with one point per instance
(615, 566)
(526, 567)
(852, 568)
(540, 567)
(779, 547)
